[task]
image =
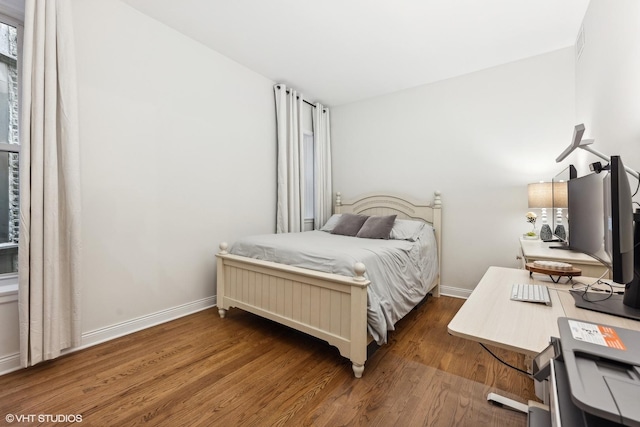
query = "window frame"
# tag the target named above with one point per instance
(309, 177)
(9, 281)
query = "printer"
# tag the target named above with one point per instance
(593, 372)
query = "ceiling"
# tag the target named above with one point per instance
(341, 51)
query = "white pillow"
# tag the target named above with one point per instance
(331, 223)
(406, 229)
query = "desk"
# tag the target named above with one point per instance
(537, 250)
(489, 315)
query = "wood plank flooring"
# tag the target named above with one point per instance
(201, 370)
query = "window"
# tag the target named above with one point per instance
(308, 154)
(9, 148)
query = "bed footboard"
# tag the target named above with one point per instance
(327, 306)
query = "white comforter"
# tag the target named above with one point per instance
(400, 271)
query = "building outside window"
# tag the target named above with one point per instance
(9, 149)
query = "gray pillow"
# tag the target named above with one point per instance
(377, 227)
(349, 224)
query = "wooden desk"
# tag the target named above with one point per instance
(489, 315)
(537, 250)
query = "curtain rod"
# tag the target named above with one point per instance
(303, 100)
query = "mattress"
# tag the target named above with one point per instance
(400, 271)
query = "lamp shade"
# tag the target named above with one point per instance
(560, 195)
(540, 195)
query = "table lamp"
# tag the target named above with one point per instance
(560, 201)
(541, 197)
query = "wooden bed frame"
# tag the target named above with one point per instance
(327, 306)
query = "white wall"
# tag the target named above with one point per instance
(479, 138)
(177, 151)
(608, 82)
(177, 154)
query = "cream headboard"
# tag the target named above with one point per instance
(387, 204)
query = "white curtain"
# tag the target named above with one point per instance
(322, 166)
(49, 249)
(289, 133)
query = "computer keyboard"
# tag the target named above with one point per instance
(530, 293)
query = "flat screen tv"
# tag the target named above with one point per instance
(560, 202)
(616, 232)
(586, 225)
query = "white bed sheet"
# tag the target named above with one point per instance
(400, 271)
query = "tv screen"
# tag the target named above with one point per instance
(560, 202)
(619, 222)
(586, 227)
(616, 231)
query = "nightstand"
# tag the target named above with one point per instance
(537, 250)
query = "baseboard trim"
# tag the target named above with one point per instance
(455, 292)
(108, 333)
(11, 362)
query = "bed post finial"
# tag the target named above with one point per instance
(359, 269)
(223, 248)
(338, 199)
(437, 201)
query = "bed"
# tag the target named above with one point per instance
(330, 305)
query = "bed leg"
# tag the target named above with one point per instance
(357, 370)
(222, 312)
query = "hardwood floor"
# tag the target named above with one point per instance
(201, 370)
